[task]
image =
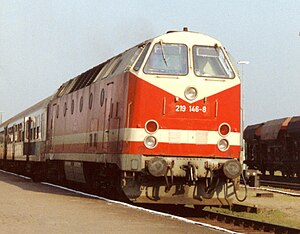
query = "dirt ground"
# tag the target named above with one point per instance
(28, 207)
(280, 209)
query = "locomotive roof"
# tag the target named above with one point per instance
(89, 76)
(194, 38)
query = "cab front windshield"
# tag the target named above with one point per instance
(169, 59)
(211, 62)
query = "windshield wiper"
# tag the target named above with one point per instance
(163, 52)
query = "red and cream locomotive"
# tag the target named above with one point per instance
(158, 123)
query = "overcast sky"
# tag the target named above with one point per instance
(45, 43)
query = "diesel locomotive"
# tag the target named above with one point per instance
(158, 123)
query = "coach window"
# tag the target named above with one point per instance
(10, 135)
(13, 134)
(20, 132)
(38, 124)
(42, 125)
(38, 130)
(211, 62)
(1, 137)
(32, 134)
(169, 59)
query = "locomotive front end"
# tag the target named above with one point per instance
(182, 134)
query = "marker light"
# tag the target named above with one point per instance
(151, 126)
(223, 145)
(224, 129)
(190, 93)
(150, 142)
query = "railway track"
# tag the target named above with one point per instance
(244, 225)
(280, 182)
(225, 221)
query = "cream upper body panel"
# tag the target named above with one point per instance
(177, 84)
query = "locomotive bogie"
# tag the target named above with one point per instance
(179, 193)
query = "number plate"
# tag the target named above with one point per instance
(192, 109)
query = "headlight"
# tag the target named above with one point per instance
(157, 167)
(150, 142)
(224, 129)
(151, 126)
(190, 93)
(232, 169)
(223, 145)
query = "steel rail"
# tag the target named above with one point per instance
(250, 225)
(280, 184)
